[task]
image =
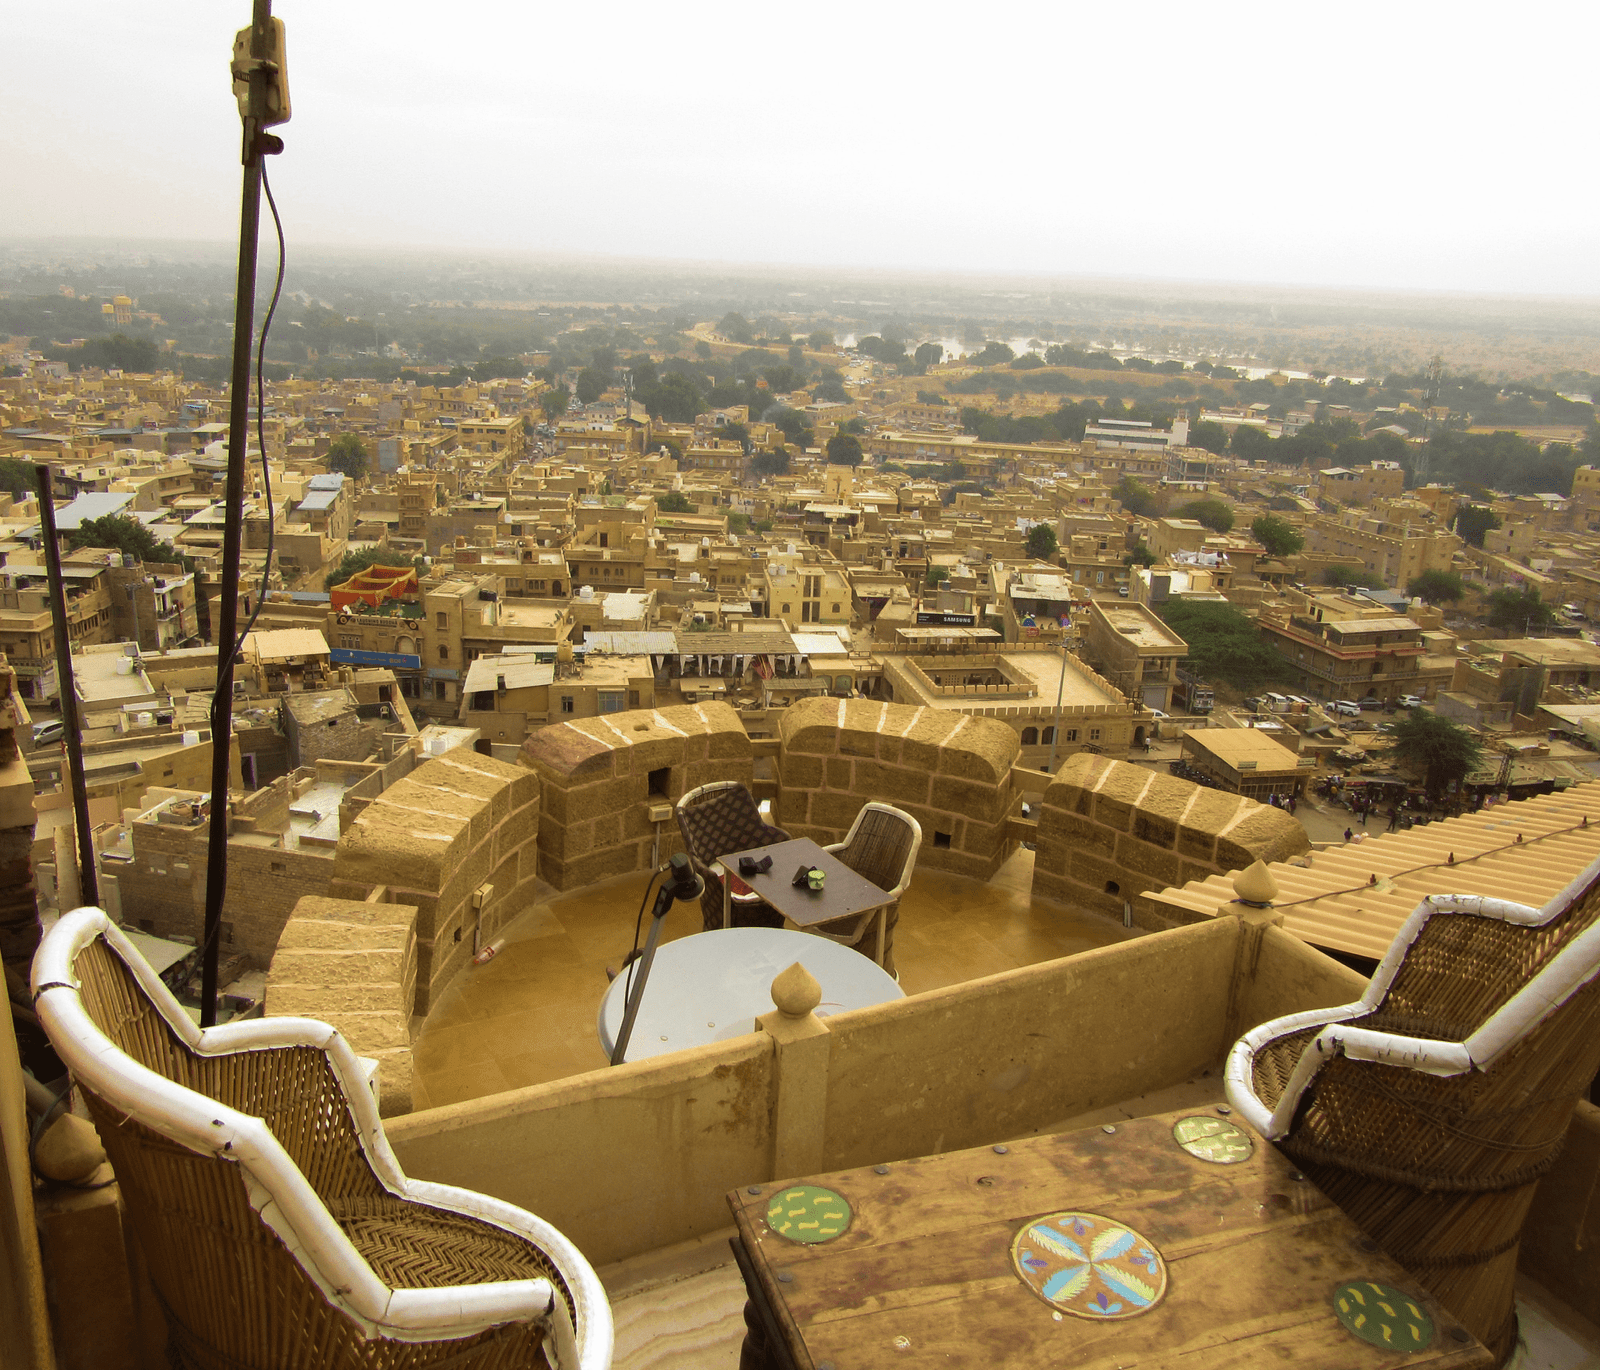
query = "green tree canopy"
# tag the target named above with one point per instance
(674, 502)
(1135, 496)
(554, 402)
(16, 477)
(793, 425)
(592, 383)
(127, 535)
(927, 354)
(1213, 513)
(1139, 555)
(937, 575)
(819, 339)
(677, 399)
(736, 328)
(1519, 611)
(844, 449)
(348, 456)
(1352, 575)
(1212, 437)
(1223, 643)
(1442, 750)
(994, 354)
(369, 556)
(1251, 444)
(1472, 521)
(1041, 544)
(1437, 587)
(1280, 537)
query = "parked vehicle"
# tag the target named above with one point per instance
(1347, 708)
(1195, 696)
(1372, 704)
(52, 730)
(1410, 701)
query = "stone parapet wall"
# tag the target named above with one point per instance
(596, 773)
(1110, 831)
(951, 772)
(436, 838)
(353, 964)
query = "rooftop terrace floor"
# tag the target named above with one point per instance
(528, 1016)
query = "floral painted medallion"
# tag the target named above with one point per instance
(1089, 1266)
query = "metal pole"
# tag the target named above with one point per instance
(227, 626)
(88, 884)
(1060, 686)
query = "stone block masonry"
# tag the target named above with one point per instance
(1110, 831)
(353, 964)
(438, 839)
(951, 772)
(599, 777)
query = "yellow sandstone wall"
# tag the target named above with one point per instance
(595, 778)
(460, 826)
(353, 964)
(949, 771)
(1110, 831)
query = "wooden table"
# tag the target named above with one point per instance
(843, 892)
(1255, 1261)
(712, 985)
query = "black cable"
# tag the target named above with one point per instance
(261, 427)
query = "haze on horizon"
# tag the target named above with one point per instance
(1423, 147)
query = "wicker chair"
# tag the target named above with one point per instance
(718, 819)
(881, 846)
(1429, 1109)
(278, 1228)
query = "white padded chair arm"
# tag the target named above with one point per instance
(277, 1188)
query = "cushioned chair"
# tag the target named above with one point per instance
(278, 1228)
(716, 820)
(882, 847)
(1429, 1109)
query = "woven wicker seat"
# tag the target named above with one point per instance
(278, 1228)
(716, 820)
(882, 847)
(1429, 1109)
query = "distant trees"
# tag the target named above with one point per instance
(553, 403)
(831, 387)
(1472, 521)
(1519, 611)
(994, 354)
(736, 328)
(1213, 513)
(127, 535)
(676, 398)
(498, 368)
(348, 456)
(1135, 496)
(927, 354)
(1223, 643)
(1139, 555)
(1041, 543)
(792, 424)
(844, 449)
(773, 463)
(1353, 575)
(674, 502)
(1431, 743)
(930, 397)
(819, 339)
(1278, 536)
(592, 383)
(17, 477)
(937, 575)
(1437, 587)
(1251, 444)
(1212, 437)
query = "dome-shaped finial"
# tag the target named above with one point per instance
(1255, 886)
(796, 992)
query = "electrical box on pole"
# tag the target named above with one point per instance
(272, 63)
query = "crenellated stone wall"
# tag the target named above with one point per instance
(949, 771)
(600, 777)
(353, 964)
(437, 839)
(1110, 831)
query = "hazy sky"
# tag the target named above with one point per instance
(1402, 144)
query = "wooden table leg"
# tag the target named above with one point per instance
(727, 897)
(883, 931)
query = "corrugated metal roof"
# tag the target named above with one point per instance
(319, 499)
(518, 673)
(282, 643)
(331, 480)
(1335, 904)
(631, 644)
(92, 504)
(819, 644)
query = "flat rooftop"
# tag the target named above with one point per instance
(1231, 746)
(1045, 670)
(1144, 629)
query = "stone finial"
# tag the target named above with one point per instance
(796, 992)
(1255, 886)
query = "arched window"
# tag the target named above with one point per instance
(1048, 736)
(1030, 737)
